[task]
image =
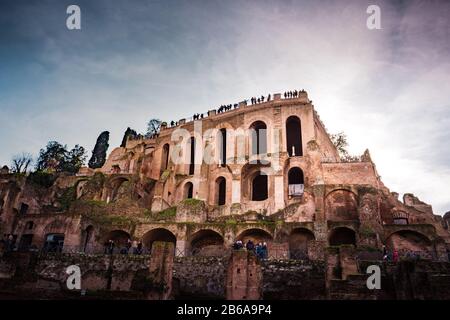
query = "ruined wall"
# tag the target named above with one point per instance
(291, 279)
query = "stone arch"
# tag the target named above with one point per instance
(294, 146)
(207, 242)
(258, 138)
(405, 241)
(298, 243)
(256, 235)
(342, 236)
(157, 234)
(120, 238)
(248, 173)
(341, 205)
(221, 191)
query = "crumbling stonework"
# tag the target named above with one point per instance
(302, 200)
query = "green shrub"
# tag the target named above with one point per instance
(42, 179)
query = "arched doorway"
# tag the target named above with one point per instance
(259, 137)
(260, 188)
(221, 191)
(207, 243)
(158, 234)
(188, 190)
(296, 182)
(298, 243)
(342, 236)
(294, 136)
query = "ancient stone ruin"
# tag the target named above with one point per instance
(158, 220)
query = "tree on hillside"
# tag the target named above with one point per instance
(55, 157)
(340, 142)
(74, 160)
(98, 158)
(153, 128)
(21, 162)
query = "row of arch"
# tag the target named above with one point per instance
(259, 186)
(207, 241)
(259, 142)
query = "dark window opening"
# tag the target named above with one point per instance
(25, 242)
(165, 157)
(294, 136)
(223, 147)
(295, 182)
(221, 188)
(54, 242)
(260, 187)
(23, 209)
(342, 236)
(189, 188)
(192, 156)
(259, 138)
(29, 225)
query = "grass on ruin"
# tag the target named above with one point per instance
(168, 214)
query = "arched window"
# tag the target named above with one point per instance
(260, 187)
(188, 190)
(294, 136)
(296, 182)
(259, 137)
(165, 157)
(222, 146)
(192, 156)
(221, 191)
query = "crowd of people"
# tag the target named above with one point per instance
(134, 247)
(228, 107)
(260, 249)
(261, 99)
(253, 100)
(292, 94)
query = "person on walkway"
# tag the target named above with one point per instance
(264, 250)
(395, 256)
(250, 246)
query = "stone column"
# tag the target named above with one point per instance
(236, 191)
(278, 193)
(244, 277)
(160, 270)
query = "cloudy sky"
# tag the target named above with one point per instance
(387, 89)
